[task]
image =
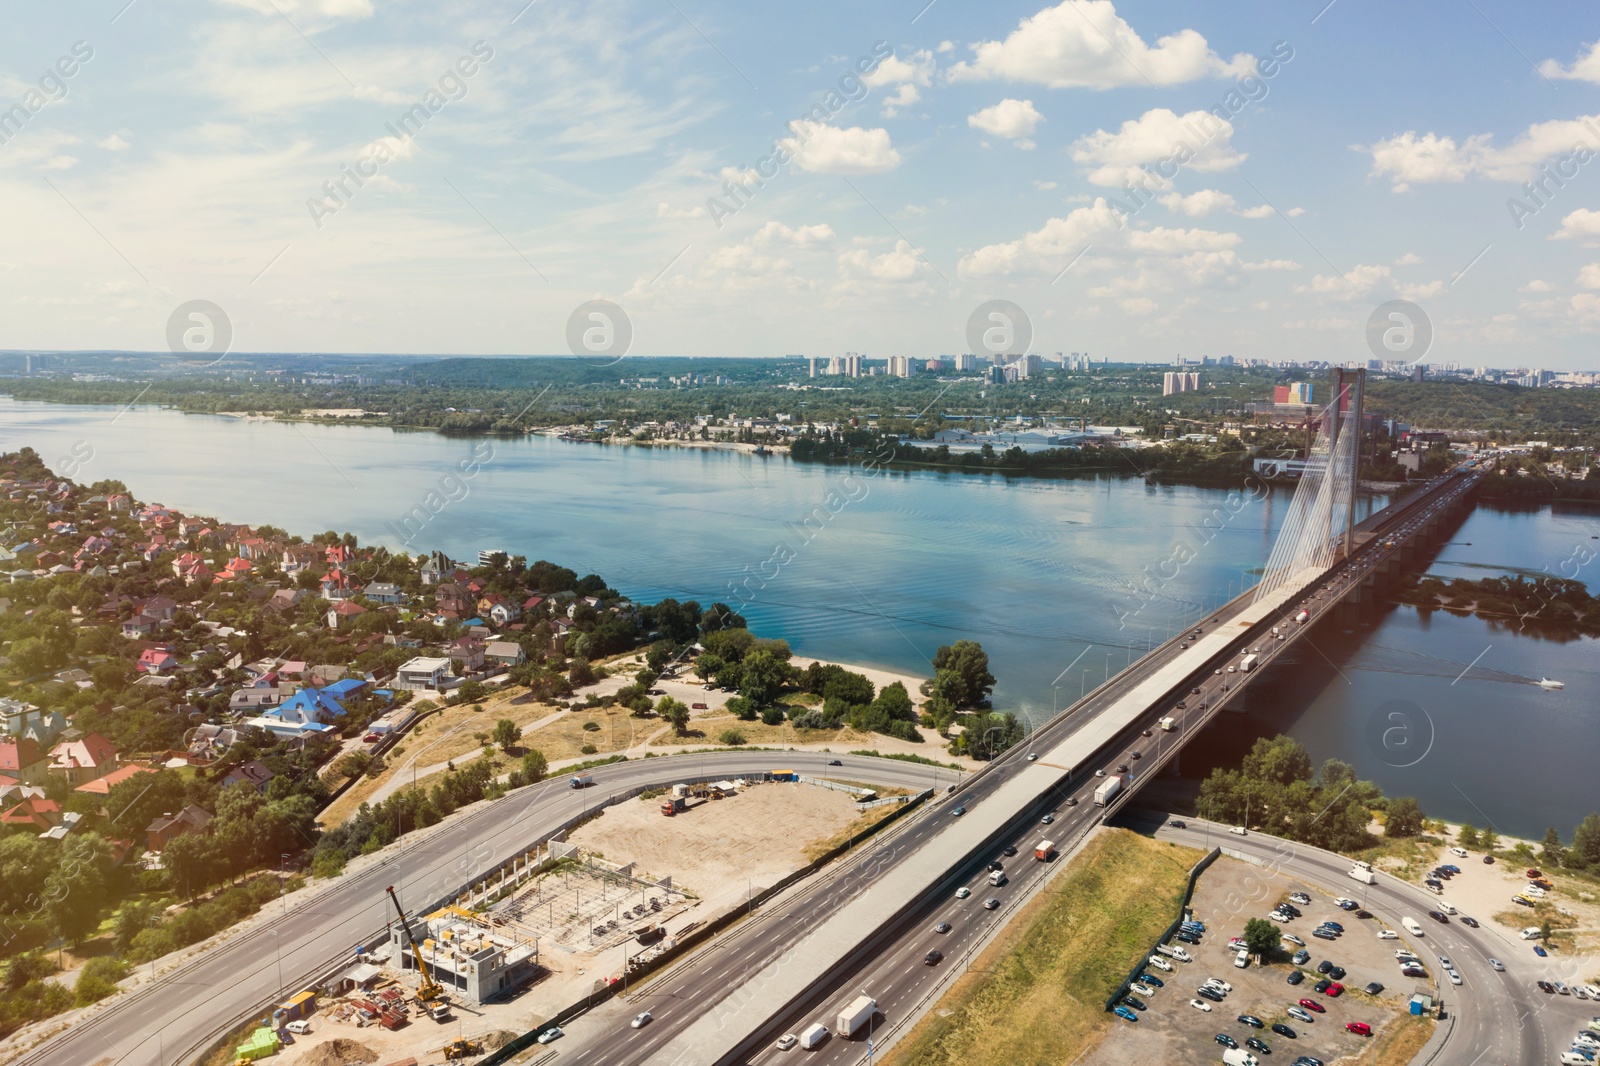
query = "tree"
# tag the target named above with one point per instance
(1490, 839)
(534, 766)
(1260, 937)
(191, 862)
(961, 673)
(709, 665)
(762, 676)
(1467, 837)
(1405, 818)
(506, 734)
(76, 890)
(675, 713)
(895, 702)
(1553, 853)
(1585, 853)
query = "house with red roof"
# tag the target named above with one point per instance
(35, 811)
(158, 660)
(80, 761)
(22, 758)
(102, 786)
(344, 611)
(191, 819)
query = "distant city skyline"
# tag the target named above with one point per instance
(1254, 181)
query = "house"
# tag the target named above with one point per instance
(24, 759)
(294, 725)
(84, 759)
(384, 592)
(158, 660)
(422, 674)
(344, 611)
(434, 567)
(467, 649)
(308, 705)
(285, 599)
(161, 608)
(235, 569)
(335, 585)
(298, 557)
(255, 699)
(35, 812)
(251, 773)
(503, 614)
(102, 786)
(191, 819)
(454, 598)
(210, 741)
(505, 652)
(139, 626)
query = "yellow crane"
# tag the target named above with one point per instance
(429, 990)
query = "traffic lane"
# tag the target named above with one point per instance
(239, 976)
(1400, 899)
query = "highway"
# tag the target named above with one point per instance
(183, 1011)
(809, 953)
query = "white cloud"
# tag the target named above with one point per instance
(1198, 204)
(1581, 225)
(1198, 141)
(776, 232)
(1272, 264)
(902, 98)
(1086, 44)
(902, 264)
(909, 75)
(59, 162)
(1044, 186)
(822, 149)
(1409, 259)
(1014, 120)
(1138, 305)
(1259, 211)
(665, 210)
(1589, 276)
(334, 9)
(114, 143)
(1536, 285)
(1407, 159)
(946, 47)
(1585, 68)
(1363, 280)
(1049, 248)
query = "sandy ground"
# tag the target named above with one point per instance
(721, 848)
(1229, 894)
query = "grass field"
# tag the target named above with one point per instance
(1399, 1043)
(1041, 999)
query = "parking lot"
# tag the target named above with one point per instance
(1229, 894)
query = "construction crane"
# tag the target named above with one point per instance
(429, 990)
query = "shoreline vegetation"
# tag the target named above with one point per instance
(1548, 606)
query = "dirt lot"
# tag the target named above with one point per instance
(719, 848)
(1228, 895)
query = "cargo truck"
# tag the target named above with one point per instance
(1302, 617)
(1247, 664)
(1363, 873)
(1168, 724)
(1045, 851)
(581, 782)
(813, 1035)
(853, 1017)
(1107, 789)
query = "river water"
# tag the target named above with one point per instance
(1061, 580)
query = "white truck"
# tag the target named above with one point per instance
(813, 1035)
(1107, 789)
(1172, 951)
(854, 1016)
(1363, 873)
(997, 878)
(1238, 1056)
(1168, 724)
(1248, 663)
(1411, 926)
(581, 782)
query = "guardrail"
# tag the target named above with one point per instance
(1183, 912)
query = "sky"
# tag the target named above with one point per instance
(1143, 180)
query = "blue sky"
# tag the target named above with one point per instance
(199, 149)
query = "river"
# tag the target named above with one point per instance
(1062, 580)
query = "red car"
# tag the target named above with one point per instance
(1313, 1005)
(371, 738)
(1358, 1028)
(1334, 991)
(1535, 873)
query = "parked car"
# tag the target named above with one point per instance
(1291, 938)
(1227, 1041)
(1151, 979)
(1388, 934)
(1210, 993)
(1373, 988)
(1324, 966)
(1257, 1044)
(1125, 1013)
(1142, 989)
(1313, 1006)
(1296, 1012)
(1252, 1021)
(1334, 991)
(1200, 1004)
(1135, 1002)
(1296, 976)
(1358, 1028)
(1283, 1030)
(1337, 973)
(1301, 957)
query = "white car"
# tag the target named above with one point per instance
(1342, 903)
(641, 1019)
(299, 1027)
(1200, 1004)
(786, 1041)
(1300, 899)
(1219, 984)
(1238, 831)
(550, 1035)
(1291, 938)
(1455, 978)
(1159, 963)
(1279, 917)
(1460, 853)
(1143, 990)
(963, 892)
(1298, 1012)
(1388, 934)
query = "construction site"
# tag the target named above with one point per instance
(582, 911)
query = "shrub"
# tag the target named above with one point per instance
(591, 727)
(772, 716)
(731, 737)
(588, 749)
